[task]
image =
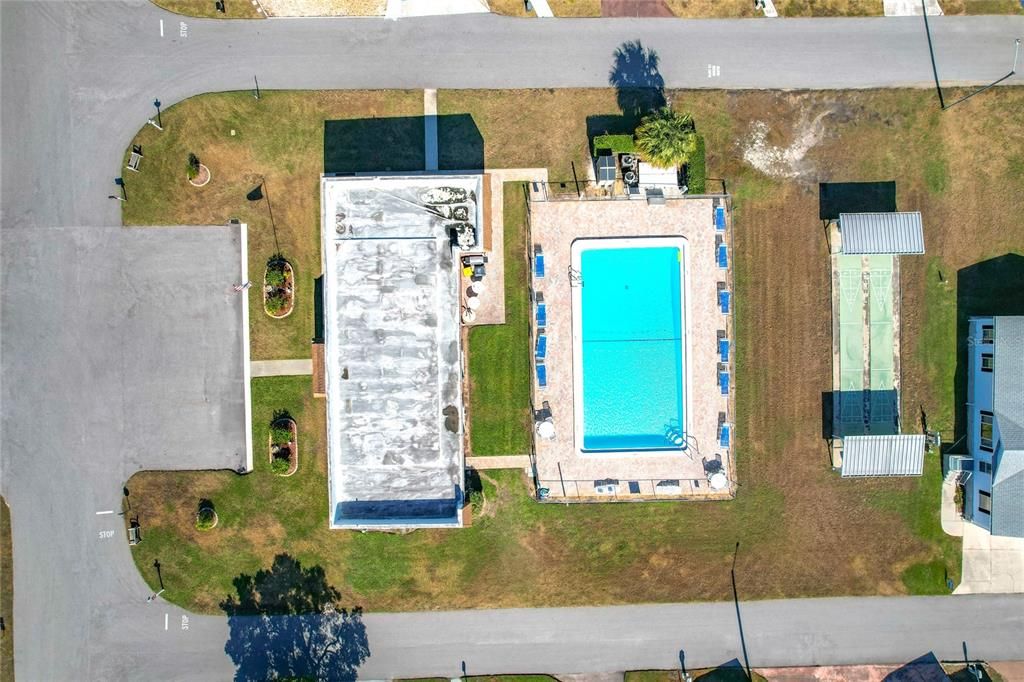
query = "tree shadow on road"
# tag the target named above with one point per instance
(640, 89)
(284, 623)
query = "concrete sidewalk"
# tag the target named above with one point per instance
(281, 368)
(504, 462)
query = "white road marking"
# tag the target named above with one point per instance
(161, 28)
(101, 513)
(167, 620)
(714, 70)
(183, 29)
(106, 534)
(184, 622)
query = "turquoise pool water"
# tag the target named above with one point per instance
(632, 350)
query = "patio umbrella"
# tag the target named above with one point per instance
(546, 430)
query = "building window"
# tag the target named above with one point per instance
(984, 502)
(988, 333)
(984, 467)
(986, 431)
(986, 362)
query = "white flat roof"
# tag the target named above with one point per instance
(392, 356)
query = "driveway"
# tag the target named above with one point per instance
(992, 564)
(110, 363)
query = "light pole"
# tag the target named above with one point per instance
(736, 602)
(124, 192)
(1013, 70)
(159, 123)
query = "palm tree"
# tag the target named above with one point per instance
(666, 138)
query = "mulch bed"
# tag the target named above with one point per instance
(286, 290)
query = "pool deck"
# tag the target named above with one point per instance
(562, 468)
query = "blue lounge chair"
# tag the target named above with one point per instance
(723, 349)
(723, 382)
(719, 218)
(542, 346)
(723, 256)
(723, 436)
(542, 375)
(538, 262)
(542, 312)
(723, 300)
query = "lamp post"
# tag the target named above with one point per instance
(1013, 70)
(159, 123)
(124, 192)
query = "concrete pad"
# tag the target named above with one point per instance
(991, 564)
(952, 522)
(397, 9)
(281, 368)
(910, 8)
(542, 9)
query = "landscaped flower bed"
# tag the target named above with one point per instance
(284, 446)
(206, 517)
(197, 173)
(279, 288)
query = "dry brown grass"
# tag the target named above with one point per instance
(324, 8)
(575, 8)
(234, 9)
(510, 8)
(695, 9)
(6, 594)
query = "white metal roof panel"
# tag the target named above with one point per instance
(901, 455)
(890, 233)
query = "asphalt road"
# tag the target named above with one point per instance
(92, 329)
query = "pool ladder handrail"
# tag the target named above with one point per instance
(575, 277)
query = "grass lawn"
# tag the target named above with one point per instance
(803, 531)
(234, 9)
(499, 358)
(279, 139)
(6, 594)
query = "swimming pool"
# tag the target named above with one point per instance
(629, 344)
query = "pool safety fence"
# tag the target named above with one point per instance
(629, 490)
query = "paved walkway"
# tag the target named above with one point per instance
(952, 522)
(505, 462)
(542, 9)
(281, 368)
(492, 301)
(430, 128)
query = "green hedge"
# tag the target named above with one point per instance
(619, 144)
(696, 169)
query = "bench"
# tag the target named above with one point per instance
(135, 158)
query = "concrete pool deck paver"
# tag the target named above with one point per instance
(555, 225)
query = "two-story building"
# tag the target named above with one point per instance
(994, 488)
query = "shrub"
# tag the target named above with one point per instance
(193, 166)
(666, 138)
(276, 303)
(696, 169)
(280, 433)
(206, 518)
(275, 274)
(618, 144)
(280, 465)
